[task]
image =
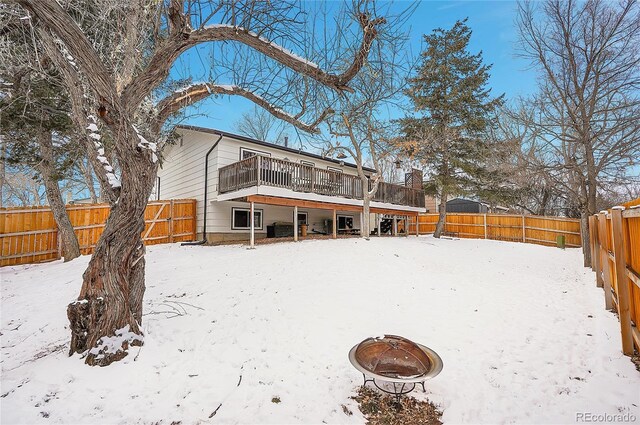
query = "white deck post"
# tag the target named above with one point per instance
(417, 224)
(379, 223)
(252, 232)
(362, 224)
(335, 226)
(395, 225)
(295, 223)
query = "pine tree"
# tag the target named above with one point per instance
(455, 110)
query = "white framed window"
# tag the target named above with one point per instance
(337, 170)
(240, 218)
(307, 163)
(345, 222)
(248, 153)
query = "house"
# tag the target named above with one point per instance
(462, 205)
(231, 175)
(431, 203)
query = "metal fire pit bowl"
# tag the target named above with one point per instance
(395, 364)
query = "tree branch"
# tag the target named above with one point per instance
(194, 93)
(78, 110)
(82, 52)
(182, 37)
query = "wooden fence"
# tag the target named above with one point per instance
(506, 227)
(29, 235)
(615, 253)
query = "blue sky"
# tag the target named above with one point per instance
(494, 33)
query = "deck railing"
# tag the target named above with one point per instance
(263, 170)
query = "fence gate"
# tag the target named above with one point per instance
(29, 235)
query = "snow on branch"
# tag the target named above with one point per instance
(145, 144)
(94, 134)
(196, 92)
(182, 37)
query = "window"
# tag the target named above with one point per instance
(307, 163)
(248, 153)
(240, 218)
(345, 222)
(337, 170)
(302, 218)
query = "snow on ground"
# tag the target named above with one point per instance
(521, 329)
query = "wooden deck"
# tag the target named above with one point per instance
(263, 170)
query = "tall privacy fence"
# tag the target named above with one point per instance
(615, 253)
(30, 235)
(504, 227)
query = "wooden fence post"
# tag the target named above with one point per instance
(485, 225)
(524, 233)
(604, 260)
(592, 242)
(170, 219)
(597, 258)
(619, 252)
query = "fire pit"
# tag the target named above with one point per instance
(395, 364)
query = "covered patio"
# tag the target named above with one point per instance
(398, 216)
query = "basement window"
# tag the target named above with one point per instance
(240, 219)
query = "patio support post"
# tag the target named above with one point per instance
(395, 225)
(335, 225)
(417, 224)
(379, 221)
(295, 223)
(361, 224)
(252, 231)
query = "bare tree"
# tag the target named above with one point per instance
(261, 125)
(355, 127)
(124, 71)
(588, 57)
(86, 171)
(21, 188)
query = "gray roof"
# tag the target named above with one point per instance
(270, 145)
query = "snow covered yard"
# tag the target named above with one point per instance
(521, 329)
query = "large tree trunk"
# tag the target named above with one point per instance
(591, 192)
(367, 196)
(586, 240)
(442, 217)
(46, 167)
(366, 207)
(106, 319)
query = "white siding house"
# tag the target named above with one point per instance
(275, 190)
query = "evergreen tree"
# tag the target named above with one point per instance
(34, 123)
(455, 110)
